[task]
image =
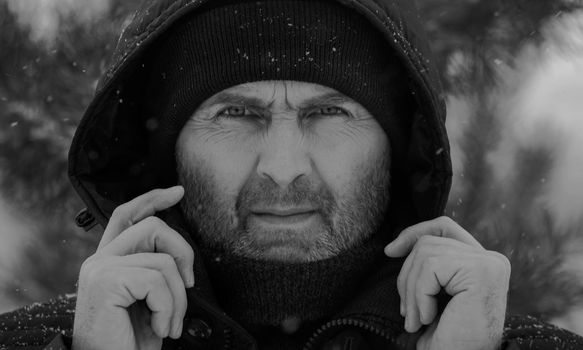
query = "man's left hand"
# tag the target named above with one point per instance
(444, 256)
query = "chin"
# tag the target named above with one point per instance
(287, 254)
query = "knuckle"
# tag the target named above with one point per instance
(494, 265)
(400, 281)
(401, 278)
(502, 261)
(153, 277)
(120, 211)
(89, 269)
(166, 261)
(96, 274)
(425, 244)
(445, 223)
(155, 225)
(85, 273)
(446, 220)
(154, 222)
(88, 263)
(507, 266)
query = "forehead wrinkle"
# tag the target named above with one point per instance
(273, 93)
(244, 94)
(285, 94)
(225, 97)
(287, 102)
(324, 95)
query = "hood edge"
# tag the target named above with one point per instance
(379, 18)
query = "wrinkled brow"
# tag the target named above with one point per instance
(320, 100)
(229, 97)
(325, 99)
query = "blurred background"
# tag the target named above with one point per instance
(513, 72)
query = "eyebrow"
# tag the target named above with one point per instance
(327, 98)
(229, 97)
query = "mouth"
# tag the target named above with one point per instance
(284, 216)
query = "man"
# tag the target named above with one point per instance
(271, 175)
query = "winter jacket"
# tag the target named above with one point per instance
(109, 165)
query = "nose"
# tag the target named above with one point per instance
(284, 156)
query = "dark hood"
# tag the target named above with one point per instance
(109, 161)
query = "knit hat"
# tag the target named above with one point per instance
(227, 43)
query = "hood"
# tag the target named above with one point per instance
(109, 161)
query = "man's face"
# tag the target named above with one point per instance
(283, 170)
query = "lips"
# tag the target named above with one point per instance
(283, 211)
(284, 215)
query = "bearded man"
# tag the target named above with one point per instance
(272, 175)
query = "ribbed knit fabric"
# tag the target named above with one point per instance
(228, 43)
(264, 293)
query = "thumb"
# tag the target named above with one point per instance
(440, 227)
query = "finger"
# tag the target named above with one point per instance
(138, 209)
(412, 320)
(151, 286)
(440, 272)
(166, 265)
(426, 247)
(422, 281)
(154, 235)
(440, 227)
(402, 282)
(428, 286)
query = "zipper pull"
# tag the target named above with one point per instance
(85, 220)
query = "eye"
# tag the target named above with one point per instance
(330, 111)
(233, 111)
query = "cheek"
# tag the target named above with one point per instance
(230, 163)
(343, 158)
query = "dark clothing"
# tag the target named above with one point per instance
(49, 327)
(111, 162)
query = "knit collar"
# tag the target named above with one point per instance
(268, 293)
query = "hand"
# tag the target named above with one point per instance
(442, 255)
(132, 292)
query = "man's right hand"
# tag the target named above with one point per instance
(132, 291)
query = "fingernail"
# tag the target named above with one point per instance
(177, 331)
(176, 189)
(190, 280)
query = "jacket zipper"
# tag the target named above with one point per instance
(347, 322)
(228, 340)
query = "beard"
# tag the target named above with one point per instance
(222, 222)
